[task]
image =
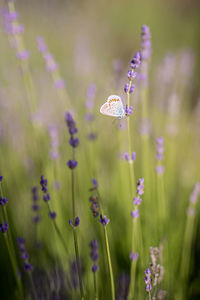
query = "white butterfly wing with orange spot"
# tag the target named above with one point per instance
(113, 107)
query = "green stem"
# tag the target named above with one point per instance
(78, 262)
(58, 231)
(95, 286)
(109, 264)
(75, 236)
(11, 250)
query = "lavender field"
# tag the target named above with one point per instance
(100, 205)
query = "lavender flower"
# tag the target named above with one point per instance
(128, 110)
(127, 156)
(133, 256)
(104, 220)
(4, 227)
(94, 206)
(35, 206)
(159, 156)
(95, 184)
(136, 61)
(135, 213)
(24, 255)
(52, 214)
(72, 129)
(148, 280)
(137, 200)
(1, 178)
(72, 164)
(46, 196)
(94, 254)
(195, 193)
(3, 201)
(140, 186)
(76, 222)
(146, 43)
(53, 132)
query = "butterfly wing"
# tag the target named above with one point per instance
(113, 107)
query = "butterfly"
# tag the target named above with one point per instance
(113, 107)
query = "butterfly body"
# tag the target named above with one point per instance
(113, 107)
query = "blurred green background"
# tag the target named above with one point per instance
(86, 38)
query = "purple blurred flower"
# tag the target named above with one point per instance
(140, 186)
(59, 84)
(126, 88)
(4, 227)
(137, 201)
(195, 193)
(43, 183)
(160, 169)
(76, 222)
(52, 214)
(42, 47)
(147, 279)
(135, 213)
(104, 220)
(94, 254)
(95, 268)
(128, 110)
(24, 255)
(131, 74)
(95, 183)
(136, 61)
(131, 88)
(126, 156)
(133, 155)
(146, 43)
(133, 256)
(3, 201)
(94, 205)
(72, 164)
(73, 141)
(23, 55)
(1, 178)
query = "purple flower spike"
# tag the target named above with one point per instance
(3, 201)
(4, 227)
(28, 267)
(195, 193)
(46, 197)
(23, 55)
(95, 183)
(135, 62)
(133, 156)
(52, 214)
(104, 220)
(95, 268)
(131, 74)
(72, 164)
(94, 254)
(160, 169)
(59, 84)
(148, 287)
(137, 201)
(126, 156)
(73, 142)
(131, 88)
(140, 186)
(133, 256)
(128, 110)
(71, 223)
(135, 213)
(1, 178)
(126, 88)
(77, 221)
